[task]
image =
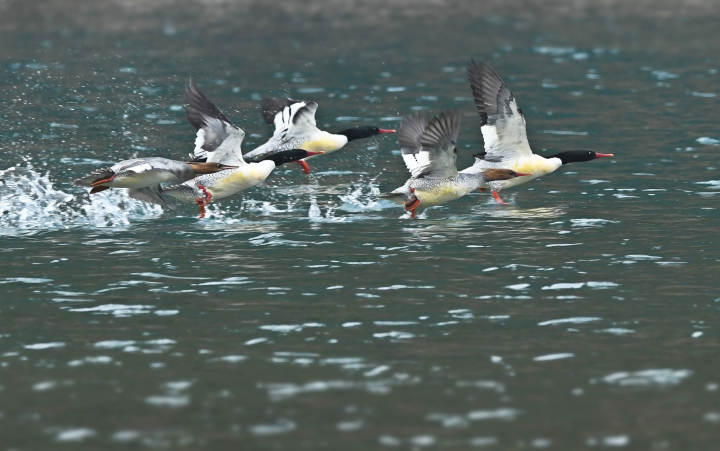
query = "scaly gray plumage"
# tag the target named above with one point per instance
(428, 146)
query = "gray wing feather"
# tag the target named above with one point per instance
(198, 106)
(409, 134)
(428, 145)
(502, 121)
(151, 194)
(491, 95)
(440, 140)
(211, 124)
(411, 130)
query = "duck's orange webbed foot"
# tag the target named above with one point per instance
(202, 201)
(412, 204)
(498, 199)
(306, 168)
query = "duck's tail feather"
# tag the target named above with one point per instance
(97, 174)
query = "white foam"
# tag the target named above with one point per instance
(573, 320)
(657, 377)
(31, 204)
(74, 434)
(40, 346)
(707, 141)
(396, 334)
(174, 401)
(557, 356)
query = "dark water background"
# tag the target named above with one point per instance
(307, 314)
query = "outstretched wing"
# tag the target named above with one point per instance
(273, 105)
(409, 134)
(502, 122)
(428, 145)
(213, 128)
(291, 117)
(150, 194)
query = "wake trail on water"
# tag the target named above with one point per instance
(30, 204)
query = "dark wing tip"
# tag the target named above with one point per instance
(270, 106)
(486, 85)
(442, 130)
(411, 129)
(198, 105)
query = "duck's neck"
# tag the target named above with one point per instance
(574, 156)
(363, 131)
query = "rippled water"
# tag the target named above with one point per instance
(308, 313)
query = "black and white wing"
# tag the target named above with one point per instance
(212, 126)
(290, 117)
(502, 121)
(273, 105)
(428, 145)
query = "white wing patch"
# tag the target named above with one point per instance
(490, 136)
(199, 152)
(284, 120)
(507, 138)
(417, 163)
(140, 168)
(230, 150)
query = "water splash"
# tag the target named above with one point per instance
(31, 204)
(362, 198)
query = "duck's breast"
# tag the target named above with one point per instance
(242, 178)
(324, 142)
(440, 193)
(535, 165)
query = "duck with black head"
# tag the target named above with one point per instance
(429, 150)
(219, 142)
(295, 127)
(503, 129)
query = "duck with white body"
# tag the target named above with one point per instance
(429, 150)
(504, 133)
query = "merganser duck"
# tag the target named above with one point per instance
(502, 124)
(221, 142)
(295, 127)
(143, 172)
(428, 147)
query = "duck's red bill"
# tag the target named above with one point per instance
(386, 130)
(604, 155)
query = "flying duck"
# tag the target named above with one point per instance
(295, 127)
(428, 146)
(220, 141)
(143, 172)
(502, 124)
